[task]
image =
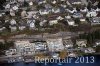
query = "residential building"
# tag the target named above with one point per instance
(13, 28)
(70, 22)
(89, 50)
(10, 52)
(91, 14)
(31, 23)
(25, 47)
(77, 15)
(52, 22)
(68, 43)
(55, 45)
(40, 46)
(95, 20)
(81, 43)
(13, 22)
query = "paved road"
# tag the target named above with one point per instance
(43, 36)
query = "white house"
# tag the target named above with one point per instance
(54, 2)
(23, 14)
(13, 28)
(89, 50)
(11, 52)
(2, 28)
(81, 42)
(71, 22)
(91, 14)
(22, 27)
(40, 46)
(13, 22)
(31, 24)
(42, 22)
(55, 44)
(85, 10)
(15, 8)
(25, 47)
(31, 3)
(55, 10)
(95, 20)
(52, 22)
(59, 18)
(68, 43)
(77, 15)
(68, 17)
(82, 19)
(12, 12)
(75, 2)
(43, 12)
(97, 10)
(7, 6)
(72, 10)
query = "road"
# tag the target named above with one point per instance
(43, 36)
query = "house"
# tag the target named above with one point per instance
(68, 43)
(97, 9)
(23, 13)
(11, 1)
(84, 2)
(89, 50)
(22, 26)
(13, 28)
(81, 43)
(97, 43)
(30, 14)
(54, 2)
(68, 3)
(68, 17)
(77, 15)
(70, 22)
(91, 14)
(42, 22)
(55, 10)
(48, 6)
(95, 20)
(2, 28)
(7, 6)
(12, 12)
(13, 22)
(31, 3)
(84, 10)
(72, 54)
(71, 10)
(40, 46)
(55, 55)
(31, 24)
(15, 8)
(75, 2)
(10, 52)
(21, 1)
(63, 5)
(59, 18)
(52, 22)
(41, 2)
(25, 47)
(55, 45)
(83, 20)
(44, 11)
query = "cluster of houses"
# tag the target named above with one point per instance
(51, 45)
(47, 11)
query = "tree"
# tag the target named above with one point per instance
(89, 6)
